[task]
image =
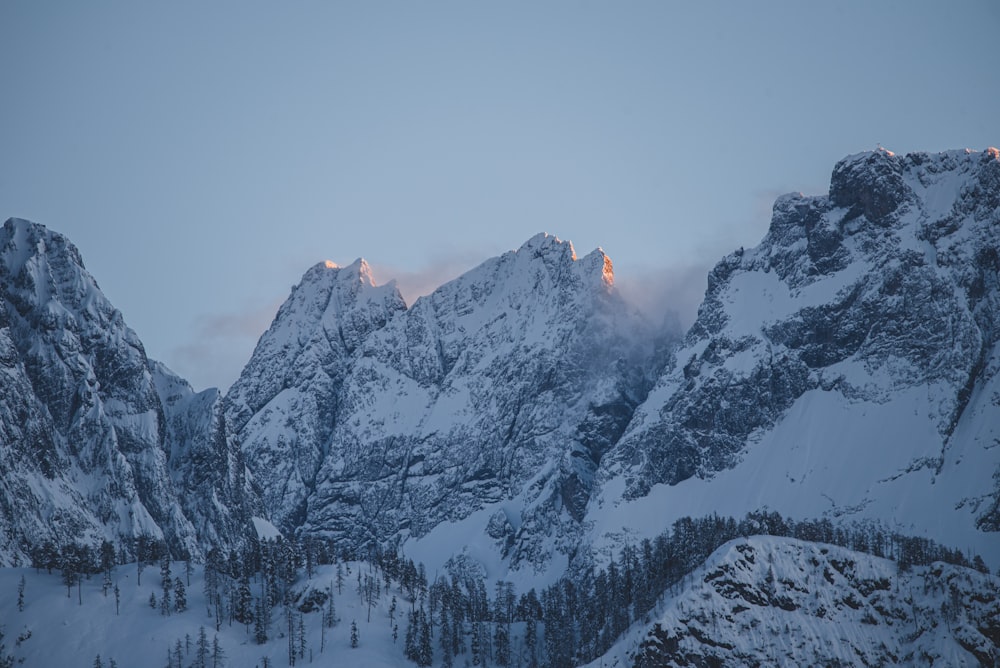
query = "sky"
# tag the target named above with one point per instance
(203, 155)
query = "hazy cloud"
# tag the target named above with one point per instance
(220, 346)
(662, 292)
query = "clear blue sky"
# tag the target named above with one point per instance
(202, 155)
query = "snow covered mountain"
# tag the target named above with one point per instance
(765, 600)
(523, 422)
(369, 421)
(285, 404)
(847, 367)
(96, 441)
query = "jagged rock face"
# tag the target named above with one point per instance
(509, 382)
(284, 405)
(888, 284)
(205, 464)
(770, 601)
(83, 427)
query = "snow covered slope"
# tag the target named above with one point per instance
(778, 601)
(846, 367)
(85, 436)
(54, 629)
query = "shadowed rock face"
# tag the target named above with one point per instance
(893, 272)
(510, 382)
(88, 443)
(869, 185)
(284, 406)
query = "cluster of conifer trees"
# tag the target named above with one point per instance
(573, 621)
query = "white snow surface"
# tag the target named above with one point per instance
(65, 633)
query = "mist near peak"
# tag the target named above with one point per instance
(668, 297)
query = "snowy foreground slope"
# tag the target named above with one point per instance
(756, 601)
(63, 632)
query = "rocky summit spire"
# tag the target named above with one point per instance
(284, 405)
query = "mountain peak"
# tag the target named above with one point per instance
(23, 239)
(869, 184)
(598, 263)
(544, 243)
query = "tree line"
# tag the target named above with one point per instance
(268, 587)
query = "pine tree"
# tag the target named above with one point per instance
(201, 652)
(425, 652)
(118, 600)
(152, 600)
(165, 602)
(166, 581)
(531, 641)
(503, 613)
(340, 578)
(445, 638)
(180, 595)
(210, 584)
(501, 641)
(292, 644)
(330, 611)
(303, 639)
(68, 567)
(107, 556)
(218, 654)
(354, 633)
(243, 612)
(260, 625)
(370, 593)
(98, 663)
(476, 645)
(410, 643)
(106, 584)
(20, 595)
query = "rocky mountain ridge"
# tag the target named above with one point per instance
(523, 414)
(97, 442)
(505, 385)
(847, 367)
(285, 404)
